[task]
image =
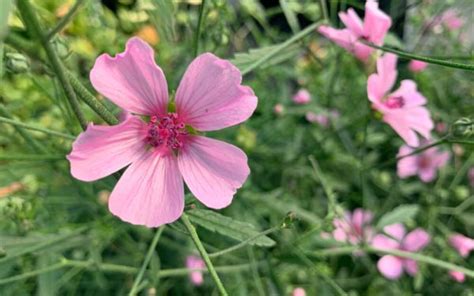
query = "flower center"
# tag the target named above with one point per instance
(166, 130)
(395, 102)
(424, 162)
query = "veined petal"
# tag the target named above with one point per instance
(150, 192)
(210, 96)
(132, 80)
(102, 150)
(213, 170)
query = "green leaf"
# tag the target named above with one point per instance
(229, 227)
(400, 214)
(5, 7)
(392, 40)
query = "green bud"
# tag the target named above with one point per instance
(16, 62)
(61, 48)
(463, 127)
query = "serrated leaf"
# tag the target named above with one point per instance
(400, 214)
(244, 60)
(229, 227)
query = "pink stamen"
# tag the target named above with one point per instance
(166, 130)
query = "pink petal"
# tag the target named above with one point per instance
(410, 266)
(427, 174)
(299, 292)
(210, 96)
(417, 66)
(396, 231)
(441, 159)
(416, 240)
(194, 262)
(213, 170)
(409, 93)
(339, 234)
(390, 267)
(102, 150)
(344, 38)
(352, 22)
(302, 97)
(383, 242)
(387, 71)
(457, 276)
(132, 80)
(376, 23)
(406, 121)
(463, 244)
(361, 218)
(150, 192)
(407, 166)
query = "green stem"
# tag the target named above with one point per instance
(150, 252)
(65, 20)
(39, 129)
(332, 203)
(308, 30)
(33, 157)
(198, 31)
(411, 56)
(34, 27)
(204, 255)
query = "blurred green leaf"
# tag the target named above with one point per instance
(400, 214)
(5, 7)
(244, 60)
(229, 227)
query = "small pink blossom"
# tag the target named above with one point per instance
(457, 276)
(373, 29)
(354, 228)
(402, 109)
(463, 244)
(417, 66)
(299, 292)
(424, 164)
(391, 266)
(450, 18)
(164, 150)
(302, 97)
(194, 262)
(278, 109)
(441, 127)
(321, 119)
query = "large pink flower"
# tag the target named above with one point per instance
(354, 228)
(163, 151)
(396, 239)
(402, 109)
(194, 262)
(392, 266)
(373, 29)
(424, 164)
(463, 244)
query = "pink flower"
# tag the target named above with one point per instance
(321, 119)
(451, 19)
(194, 262)
(373, 29)
(402, 109)
(391, 266)
(353, 228)
(417, 66)
(441, 127)
(463, 244)
(424, 164)
(457, 276)
(163, 151)
(278, 109)
(299, 292)
(302, 97)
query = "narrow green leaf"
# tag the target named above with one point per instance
(5, 7)
(400, 214)
(229, 227)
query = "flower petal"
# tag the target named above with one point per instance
(416, 240)
(396, 231)
(211, 97)
(390, 267)
(376, 23)
(383, 242)
(213, 170)
(409, 93)
(352, 22)
(407, 166)
(132, 80)
(102, 150)
(150, 192)
(410, 266)
(342, 37)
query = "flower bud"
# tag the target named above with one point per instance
(16, 62)
(463, 127)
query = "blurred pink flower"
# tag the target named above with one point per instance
(463, 244)
(441, 127)
(354, 228)
(402, 109)
(373, 29)
(279, 109)
(162, 152)
(391, 266)
(457, 276)
(194, 262)
(302, 97)
(417, 66)
(450, 18)
(424, 164)
(321, 119)
(471, 176)
(299, 292)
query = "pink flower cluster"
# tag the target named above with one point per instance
(194, 262)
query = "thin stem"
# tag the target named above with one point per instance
(332, 203)
(198, 31)
(411, 56)
(324, 9)
(308, 30)
(423, 258)
(244, 243)
(33, 25)
(65, 20)
(35, 128)
(204, 255)
(32, 273)
(150, 252)
(33, 157)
